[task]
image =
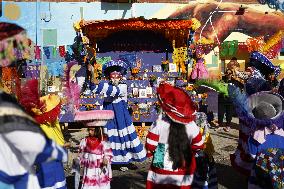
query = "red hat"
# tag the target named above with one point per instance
(176, 103)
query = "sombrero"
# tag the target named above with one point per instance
(94, 118)
(263, 64)
(265, 105)
(119, 66)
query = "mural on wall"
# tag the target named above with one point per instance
(230, 17)
(257, 19)
(219, 20)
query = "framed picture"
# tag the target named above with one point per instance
(159, 80)
(157, 68)
(51, 89)
(149, 91)
(172, 80)
(135, 92)
(172, 67)
(142, 93)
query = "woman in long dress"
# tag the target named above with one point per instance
(125, 144)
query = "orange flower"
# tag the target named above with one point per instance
(204, 95)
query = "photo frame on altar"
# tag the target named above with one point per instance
(142, 93)
(51, 89)
(135, 92)
(149, 92)
(171, 80)
(172, 67)
(157, 68)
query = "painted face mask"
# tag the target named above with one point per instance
(115, 77)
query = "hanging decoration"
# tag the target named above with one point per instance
(255, 44)
(233, 47)
(46, 52)
(62, 51)
(228, 48)
(69, 49)
(224, 50)
(37, 53)
(54, 52)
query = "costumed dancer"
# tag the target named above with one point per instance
(260, 66)
(205, 175)
(266, 143)
(95, 151)
(199, 71)
(23, 142)
(45, 112)
(121, 132)
(173, 140)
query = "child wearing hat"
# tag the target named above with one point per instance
(173, 140)
(95, 151)
(121, 133)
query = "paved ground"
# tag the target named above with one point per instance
(224, 142)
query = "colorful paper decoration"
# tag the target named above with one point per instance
(62, 51)
(70, 50)
(255, 44)
(228, 48)
(37, 53)
(233, 47)
(54, 52)
(46, 52)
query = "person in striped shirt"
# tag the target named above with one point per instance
(173, 140)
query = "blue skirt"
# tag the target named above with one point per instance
(51, 174)
(126, 145)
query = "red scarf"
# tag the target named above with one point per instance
(92, 143)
